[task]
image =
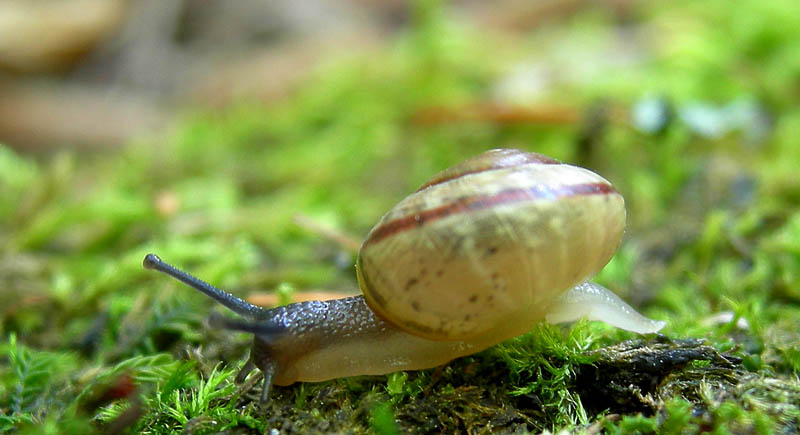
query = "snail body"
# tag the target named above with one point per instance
(479, 254)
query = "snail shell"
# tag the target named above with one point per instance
(487, 243)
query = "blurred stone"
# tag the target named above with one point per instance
(652, 115)
(48, 36)
(742, 115)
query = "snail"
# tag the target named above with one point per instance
(477, 255)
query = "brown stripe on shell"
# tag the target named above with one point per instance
(488, 161)
(471, 203)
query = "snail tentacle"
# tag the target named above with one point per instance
(244, 371)
(265, 330)
(233, 303)
(268, 371)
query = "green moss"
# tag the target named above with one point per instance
(92, 342)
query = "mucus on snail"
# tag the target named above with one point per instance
(477, 255)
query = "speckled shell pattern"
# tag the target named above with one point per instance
(489, 242)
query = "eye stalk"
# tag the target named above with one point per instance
(261, 325)
(233, 303)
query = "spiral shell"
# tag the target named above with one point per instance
(490, 241)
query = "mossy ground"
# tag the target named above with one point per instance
(92, 342)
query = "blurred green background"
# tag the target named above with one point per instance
(213, 133)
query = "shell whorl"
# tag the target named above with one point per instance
(487, 161)
(489, 243)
